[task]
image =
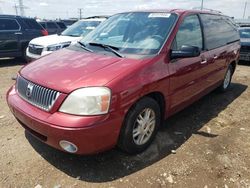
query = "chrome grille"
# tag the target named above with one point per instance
(36, 95)
(35, 49)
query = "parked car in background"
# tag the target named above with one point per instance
(118, 84)
(245, 43)
(69, 22)
(42, 46)
(53, 27)
(243, 22)
(15, 34)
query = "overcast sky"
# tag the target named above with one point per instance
(69, 8)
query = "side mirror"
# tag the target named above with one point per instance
(185, 52)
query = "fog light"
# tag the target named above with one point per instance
(68, 146)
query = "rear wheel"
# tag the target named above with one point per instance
(227, 79)
(140, 126)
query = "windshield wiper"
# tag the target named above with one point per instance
(71, 35)
(111, 48)
(84, 46)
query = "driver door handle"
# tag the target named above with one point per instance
(18, 33)
(215, 57)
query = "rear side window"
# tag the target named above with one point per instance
(219, 30)
(51, 25)
(32, 24)
(189, 33)
(61, 25)
(8, 24)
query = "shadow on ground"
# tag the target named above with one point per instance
(7, 62)
(244, 63)
(115, 164)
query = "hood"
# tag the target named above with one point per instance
(245, 41)
(66, 70)
(53, 39)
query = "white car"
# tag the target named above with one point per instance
(42, 46)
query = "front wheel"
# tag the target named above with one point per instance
(227, 79)
(140, 126)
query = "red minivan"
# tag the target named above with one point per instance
(118, 84)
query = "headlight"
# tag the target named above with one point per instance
(87, 101)
(55, 47)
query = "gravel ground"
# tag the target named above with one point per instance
(206, 145)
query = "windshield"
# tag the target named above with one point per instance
(245, 33)
(140, 33)
(81, 28)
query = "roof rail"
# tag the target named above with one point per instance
(207, 9)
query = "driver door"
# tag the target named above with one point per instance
(188, 75)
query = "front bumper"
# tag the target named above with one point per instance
(91, 134)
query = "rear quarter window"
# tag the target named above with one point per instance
(8, 24)
(219, 31)
(32, 24)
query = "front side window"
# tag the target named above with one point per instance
(245, 33)
(141, 33)
(81, 28)
(8, 24)
(189, 33)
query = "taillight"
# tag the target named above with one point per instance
(44, 32)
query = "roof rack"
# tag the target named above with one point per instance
(207, 9)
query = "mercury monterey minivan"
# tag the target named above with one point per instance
(117, 85)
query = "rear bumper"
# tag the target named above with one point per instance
(90, 134)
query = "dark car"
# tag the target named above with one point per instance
(120, 82)
(69, 22)
(53, 27)
(245, 43)
(15, 34)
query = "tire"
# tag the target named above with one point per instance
(133, 124)
(23, 57)
(227, 80)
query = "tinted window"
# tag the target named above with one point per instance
(32, 24)
(189, 33)
(8, 24)
(43, 24)
(81, 28)
(219, 30)
(51, 25)
(61, 25)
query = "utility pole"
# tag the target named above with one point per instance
(80, 12)
(21, 7)
(16, 9)
(202, 3)
(244, 14)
